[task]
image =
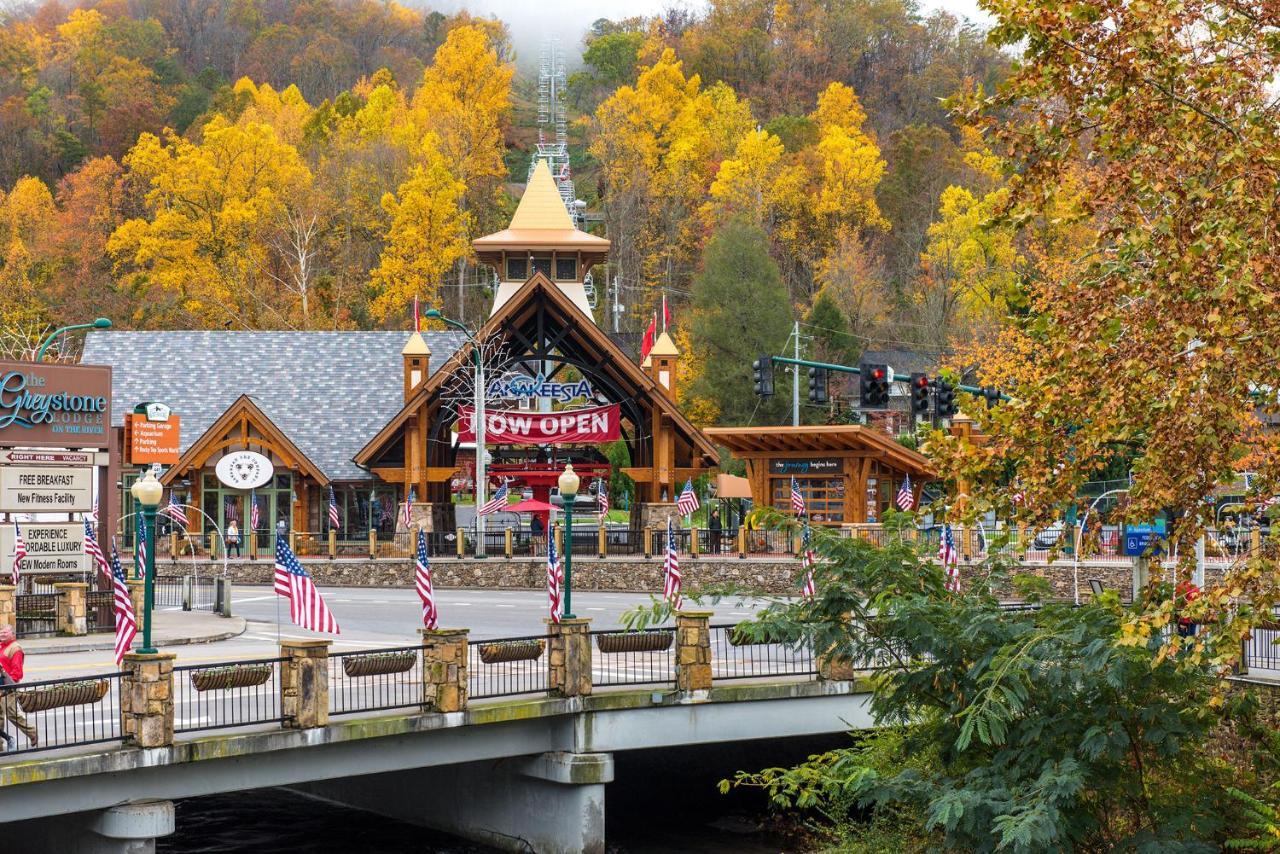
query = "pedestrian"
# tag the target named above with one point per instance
(716, 527)
(11, 658)
(233, 538)
(536, 531)
(1188, 593)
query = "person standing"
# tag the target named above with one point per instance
(233, 538)
(716, 527)
(11, 660)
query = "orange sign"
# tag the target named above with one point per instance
(153, 441)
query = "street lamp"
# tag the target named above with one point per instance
(482, 480)
(100, 323)
(568, 492)
(147, 491)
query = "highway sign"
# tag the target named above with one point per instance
(46, 489)
(51, 546)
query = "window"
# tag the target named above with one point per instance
(823, 497)
(517, 268)
(542, 264)
(566, 269)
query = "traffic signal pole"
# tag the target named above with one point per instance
(795, 388)
(897, 377)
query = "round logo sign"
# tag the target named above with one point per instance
(244, 470)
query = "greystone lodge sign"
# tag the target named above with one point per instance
(54, 406)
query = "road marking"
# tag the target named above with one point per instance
(235, 601)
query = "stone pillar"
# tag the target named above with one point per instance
(146, 699)
(137, 595)
(444, 669)
(569, 658)
(9, 606)
(124, 829)
(304, 683)
(835, 667)
(693, 651)
(72, 618)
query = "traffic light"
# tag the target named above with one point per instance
(873, 387)
(919, 395)
(817, 385)
(762, 375)
(944, 399)
(992, 395)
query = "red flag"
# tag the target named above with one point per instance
(417, 319)
(649, 334)
(666, 313)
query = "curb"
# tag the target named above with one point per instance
(99, 646)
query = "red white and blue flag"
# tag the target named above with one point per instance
(671, 570)
(126, 619)
(906, 497)
(306, 606)
(19, 552)
(497, 502)
(335, 520)
(797, 498)
(93, 550)
(807, 560)
(140, 545)
(950, 559)
(554, 578)
(175, 512)
(408, 507)
(422, 581)
(602, 499)
(688, 500)
(254, 514)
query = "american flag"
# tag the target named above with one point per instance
(93, 550)
(497, 502)
(671, 570)
(175, 512)
(408, 506)
(807, 560)
(554, 577)
(688, 500)
(19, 552)
(254, 516)
(126, 619)
(306, 605)
(950, 559)
(231, 511)
(906, 498)
(422, 581)
(140, 545)
(93, 515)
(797, 498)
(602, 498)
(335, 520)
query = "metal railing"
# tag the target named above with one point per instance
(376, 679)
(504, 667)
(646, 660)
(60, 712)
(100, 611)
(37, 614)
(239, 693)
(735, 656)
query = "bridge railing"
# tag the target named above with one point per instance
(218, 696)
(375, 680)
(60, 712)
(505, 667)
(633, 658)
(734, 655)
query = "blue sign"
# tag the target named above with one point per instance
(1143, 539)
(516, 386)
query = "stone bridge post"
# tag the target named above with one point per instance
(146, 699)
(444, 669)
(693, 652)
(569, 658)
(304, 683)
(72, 617)
(9, 606)
(137, 595)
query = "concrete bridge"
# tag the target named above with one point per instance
(509, 743)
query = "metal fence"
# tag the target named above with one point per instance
(376, 679)
(100, 611)
(60, 712)
(507, 666)
(735, 656)
(633, 658)
(37, 614)
(241, 693)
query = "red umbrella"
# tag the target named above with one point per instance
(529, 505)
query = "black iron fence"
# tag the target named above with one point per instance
(240, 693)
(376, 679)
(633, 657)
(37, 614)
(100, 611)
(735, 654)
(60, 713)
(507, 666)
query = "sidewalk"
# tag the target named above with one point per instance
(168, 628)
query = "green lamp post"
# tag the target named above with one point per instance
(569, 481)
(147, 491)
(100, 323)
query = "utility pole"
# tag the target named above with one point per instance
(795, 375)
(617, 310)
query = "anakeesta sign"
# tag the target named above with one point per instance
(516, 427)
(54, 406)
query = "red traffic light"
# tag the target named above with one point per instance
(921, 381)
(877, 374)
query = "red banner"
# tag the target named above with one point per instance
(518, 427)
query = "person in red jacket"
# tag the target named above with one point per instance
(1184, 594)
(11, 659)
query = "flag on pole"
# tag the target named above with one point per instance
(306, 605)
(602, 498)
(950, 559)
(408, 507)
(230, 509)
(554, 578)
(666, 313)
(254, 516)
(175, 512)
(807, 560)
(671, 570)
(906, 497)
(93, 550)
(19, 552)
(93, 515)
(122, 602)
(140, 545)
(649, 335)
(797, 498)
(688, 500)
(335, 520)
(417, 318)
(497, 502)
(422, 581)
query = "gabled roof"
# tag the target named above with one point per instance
(822, 438)
(326, 391)
(611, 354)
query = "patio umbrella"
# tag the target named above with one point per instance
(529, 505)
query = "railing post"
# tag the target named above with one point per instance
(444, 669)
(461, 534)
(333, 544)
(72, 616)
(693, 651)
(648, 543)
(9, 606)
(508, 543)
(173, 546)
(693, 541)
(555, 532)
(252, 537)
(602, 540)
(1243, 669)
(962, 541)
(304, 683)
(293, 541)
(188, 592)
(742, 542)
(569, 657)
(146, 699)
(834, 666)
(373, 544)
(221, 595)
(1255, 541)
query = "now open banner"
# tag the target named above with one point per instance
(517, 427)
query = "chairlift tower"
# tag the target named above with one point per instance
(553, 128)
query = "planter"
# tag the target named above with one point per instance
(1269, 625)
(220, 678)
(522, 650)
(636, 641)
(70, 694)
(379, 663)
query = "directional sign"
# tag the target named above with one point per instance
(51, 546)
(1139, 539)
(40, 489)
(53, 458)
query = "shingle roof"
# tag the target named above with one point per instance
(329, 392)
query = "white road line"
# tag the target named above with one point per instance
(236, 601)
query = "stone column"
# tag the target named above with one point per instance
(72, 602)
(124, 829)
(569, 658)
(835, 667)
(304, 683)
(693, 651)
(444, 669)
(146, 699)
(137, 595)
(9, 606)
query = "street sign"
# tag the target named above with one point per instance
(46, 489)
(151, 440)
(51, 546)
(1139, 539)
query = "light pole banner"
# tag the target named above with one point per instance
(517, 427)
